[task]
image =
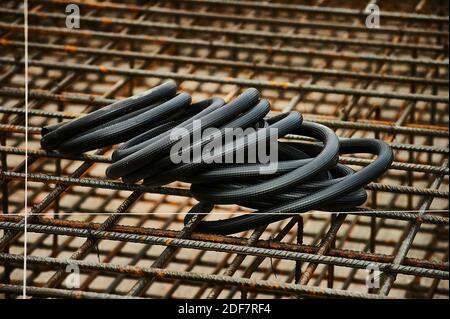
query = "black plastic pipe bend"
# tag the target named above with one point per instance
(111, 124)
(317, 200)
(306, 176)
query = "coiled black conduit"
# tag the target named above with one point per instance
(307, 175)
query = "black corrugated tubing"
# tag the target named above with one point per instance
(306, 176)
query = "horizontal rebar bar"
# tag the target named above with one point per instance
(298, 70)
(20, 129)
(331, 123)
(139, 272)
(172, 12)
(236, 33)
(215, 44)
(368, 125)
(107, 184)
(38, 112)
(410, 167)
(65, 115)
(310, 9)
(378, 127)
(54, 154)
(412, 190)
(57, 97)
(419, 148)
(101, 69)
(59, 292)
(97, 183)
(219, 247)
(279, 245)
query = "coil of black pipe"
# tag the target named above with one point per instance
(306, 175)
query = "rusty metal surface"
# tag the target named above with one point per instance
(317, 57)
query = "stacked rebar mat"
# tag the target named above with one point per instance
(305, 176)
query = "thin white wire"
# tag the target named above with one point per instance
(25, 14)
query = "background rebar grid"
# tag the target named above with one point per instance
(318, 58)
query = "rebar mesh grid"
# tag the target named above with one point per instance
(317, 57)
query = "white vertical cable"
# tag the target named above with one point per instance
(25, 14)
